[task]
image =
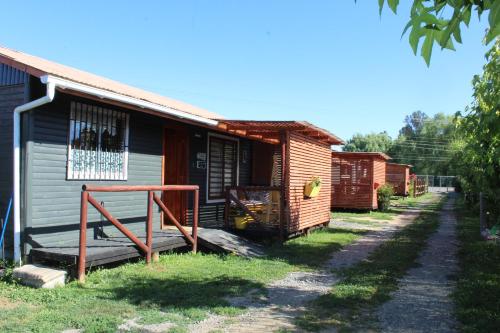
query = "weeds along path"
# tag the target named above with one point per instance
(287, 298)
(423, 303)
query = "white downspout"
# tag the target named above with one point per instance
(16, 142)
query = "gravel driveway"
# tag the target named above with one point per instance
(422, 303)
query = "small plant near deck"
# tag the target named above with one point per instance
(384, 195)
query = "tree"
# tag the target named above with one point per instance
(438, 21)
(426, 143)
(477, 153)
(379, 142)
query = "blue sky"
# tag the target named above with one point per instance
(334, 63)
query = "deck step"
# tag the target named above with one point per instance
(40, 276)
(223, 241)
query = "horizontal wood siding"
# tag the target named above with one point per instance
(399, 177)
(352, 182)
(379, 169)
(10, 97)
(56, 201)
(307, 158)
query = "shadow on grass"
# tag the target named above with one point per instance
(177, 293)
(314, 250)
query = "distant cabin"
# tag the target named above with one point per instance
(398, 175)
(356, 176)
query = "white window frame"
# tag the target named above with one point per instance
(89, 175)
(225, 137)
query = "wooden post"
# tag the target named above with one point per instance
(149, 227)
(196, 200)
(82, 251)
(283, 219)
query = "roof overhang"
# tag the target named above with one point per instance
(356, 154)
(70, 86)
(270, 131)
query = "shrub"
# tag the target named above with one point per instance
(384, 194)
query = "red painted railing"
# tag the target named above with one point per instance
(152, 198)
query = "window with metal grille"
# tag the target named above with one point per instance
(98, 143)
(222, 166)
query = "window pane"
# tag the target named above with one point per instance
(222, 166)
(98, 143)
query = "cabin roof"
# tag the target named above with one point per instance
(269, 131)
(401, 164)
(361, 154)
(40, 67)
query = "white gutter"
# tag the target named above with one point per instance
(105, 94)
(53, 82)
(16, 142)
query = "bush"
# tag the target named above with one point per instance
(384, 194)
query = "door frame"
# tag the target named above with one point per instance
(175, 127)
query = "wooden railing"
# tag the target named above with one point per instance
(419, 187)
(261, 219)
(86, 198)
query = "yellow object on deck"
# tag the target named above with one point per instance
(241, 222)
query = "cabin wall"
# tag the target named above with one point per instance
(352, 183)
(55, 201)
(399, 177)
(213, 213)
(379, 171)
(307, 158)
(11, 96)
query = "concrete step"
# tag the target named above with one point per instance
(39, 276)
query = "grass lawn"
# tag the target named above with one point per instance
(181, 288)
(368, 284)
(477, 296)
(398, 205)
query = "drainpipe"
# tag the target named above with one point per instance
(52, 82)
(16, 142)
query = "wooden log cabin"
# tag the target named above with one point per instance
(356, 176)
(398, 175)
(62, 128)
(278, 202)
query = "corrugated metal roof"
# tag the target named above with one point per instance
(357, 154)
(402, 164)
(269, 130)
(39, 67)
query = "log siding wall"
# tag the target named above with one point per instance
(355, 181)
(398, 176)
(306, 159)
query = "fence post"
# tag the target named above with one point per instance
(149, 227)
(195, 219)
(82, 251)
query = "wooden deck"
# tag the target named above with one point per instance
(117, 247)
(108, 250)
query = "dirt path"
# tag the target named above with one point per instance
(286, 298)
(422, 303)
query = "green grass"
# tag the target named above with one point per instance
(181, 288)
(398, 205)
(477, 295)
(355, 216)
(410, 202)
(368, 284)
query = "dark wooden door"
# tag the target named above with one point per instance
(175, 172)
